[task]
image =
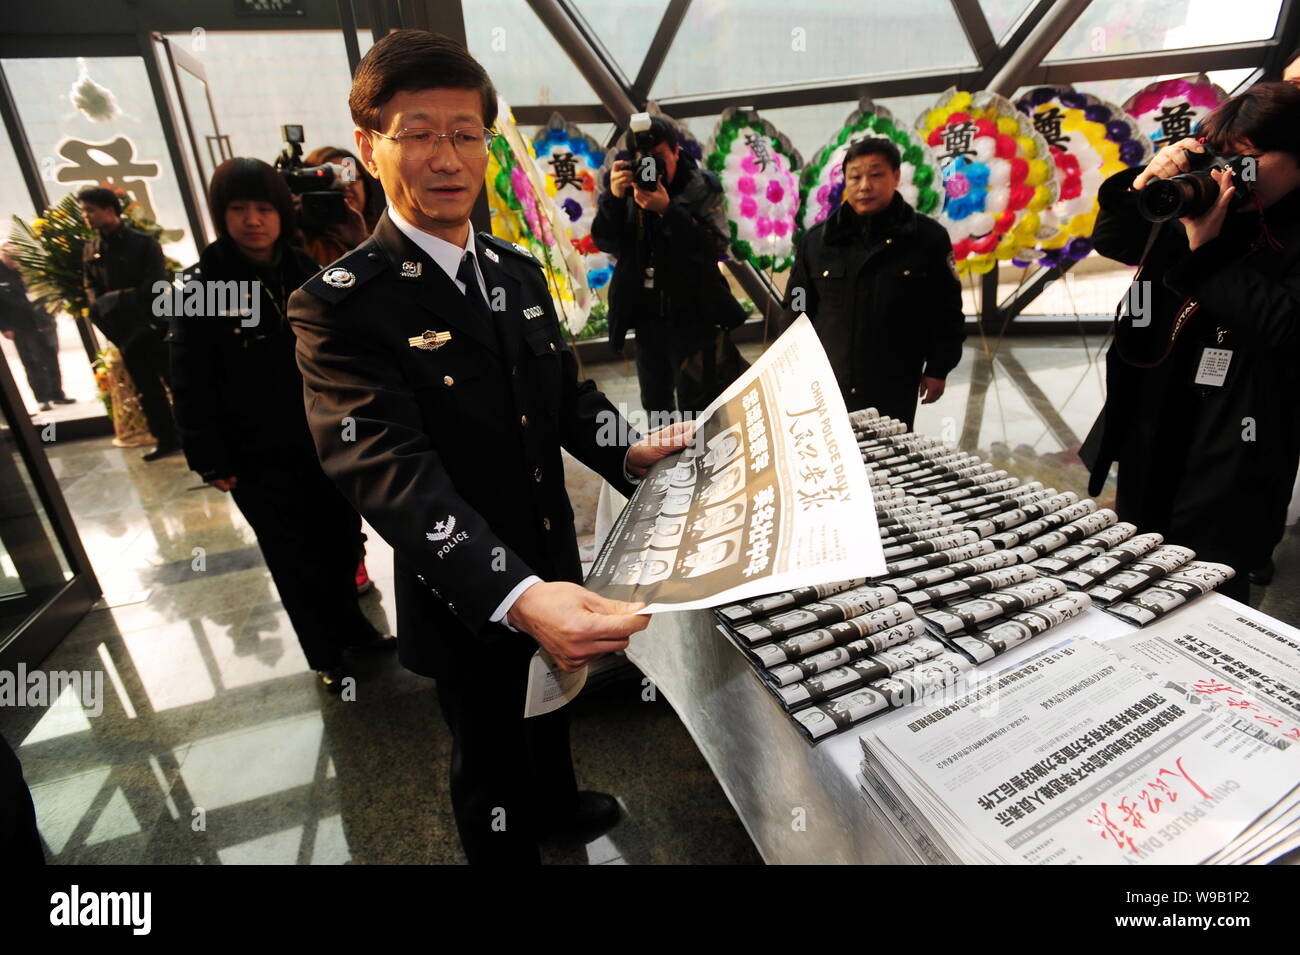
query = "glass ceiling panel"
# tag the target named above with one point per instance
(1002, 15)
(624, 27)
(525, 62)
(1109, 27)
(742, 44)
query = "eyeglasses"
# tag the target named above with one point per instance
(415, 145)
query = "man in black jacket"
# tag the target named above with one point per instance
(33, 333)
(666, 282)
(441, 418)
(877, 281)
(121, 266)
(1199, 407)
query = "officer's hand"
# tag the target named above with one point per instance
(656, 201)
(224, 484)
(620, 180)
(1170, 161)
(657, 445)
(574, 625)
(931, 390)
(9, 335)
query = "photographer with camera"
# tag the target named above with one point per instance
(243, 426)
(363, 198)
(1199, 409)
(664, 219)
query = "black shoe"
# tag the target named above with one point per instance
(46, 406)
(596, 814)
(379, 642)
(332, 679)
(161, 451)
(1262, 576)
(64, 401)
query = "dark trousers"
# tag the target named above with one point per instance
(662, 350)
(145, 357)
(308, 533)
(20, 840)
(38, 349)
(509, 775)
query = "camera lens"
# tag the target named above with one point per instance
(1161, 199)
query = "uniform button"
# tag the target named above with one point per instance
(546, 523)
(826, 273)
(448, 380)
(372, 255)
(451, 607)
(552, 346)
(514, 371)
(523, 420)
(537, 475)
(907, 271)
(888, 241)
(853, 391)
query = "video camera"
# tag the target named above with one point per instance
(320, 188)
(1193, 193)
(647, 168)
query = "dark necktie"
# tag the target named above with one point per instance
(468, 276)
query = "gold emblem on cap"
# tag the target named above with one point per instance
(429, 340)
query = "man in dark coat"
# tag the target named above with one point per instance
(121, 266)
(878, 282)
(1205, 458)
(666, 282)
(439, 392)
(33, 332)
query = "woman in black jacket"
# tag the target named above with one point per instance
(239, 405)
(877, 281)
(1200, 411)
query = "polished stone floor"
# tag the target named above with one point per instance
(214, 744)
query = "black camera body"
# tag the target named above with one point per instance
(319, 188)
(1193, 193)
(647, 168)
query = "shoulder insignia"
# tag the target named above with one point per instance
(490, 241)
(343, 276)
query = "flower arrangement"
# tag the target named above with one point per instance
(997, 176)
(1168, 110)
(571, 162)
(757, 165)
(1090, 141)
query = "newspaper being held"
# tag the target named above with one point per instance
(1140, 573)
(1077, 756)
(1188, 582)
(771, 495)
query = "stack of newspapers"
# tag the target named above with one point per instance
(1173, 747)
(976, 563)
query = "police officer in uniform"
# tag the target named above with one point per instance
(439, 393)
